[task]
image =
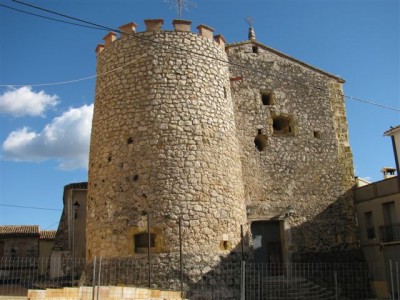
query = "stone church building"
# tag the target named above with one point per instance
(244, 146)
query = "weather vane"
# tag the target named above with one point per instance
(180, 5)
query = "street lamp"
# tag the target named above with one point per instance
(76, 208)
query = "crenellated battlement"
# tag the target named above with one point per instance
(154, 25)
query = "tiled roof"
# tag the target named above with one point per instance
(48, 234)
(19, 230)
(77, 185)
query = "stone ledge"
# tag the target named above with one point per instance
(104, 292)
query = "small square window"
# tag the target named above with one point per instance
(282, 126)
(255, 49)
(267, 98)
(142, 242)
(317, 135)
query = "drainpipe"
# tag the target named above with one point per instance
(396, 158)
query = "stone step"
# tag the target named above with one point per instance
(297, 288)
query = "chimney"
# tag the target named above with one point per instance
(388, 172)
(109, 38)
(181, 25)
(206, 31)
(128, 29)
(252, 34)
(154, 24)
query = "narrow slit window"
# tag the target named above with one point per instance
(260, 141)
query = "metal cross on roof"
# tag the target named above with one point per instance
(249, 20)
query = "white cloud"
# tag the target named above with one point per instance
(65, 139)
(25, 102)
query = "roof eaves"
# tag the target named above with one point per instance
(19, 230)
(341, 80)
(392, 131)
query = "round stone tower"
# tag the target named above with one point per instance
(164, 147)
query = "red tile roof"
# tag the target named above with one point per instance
(19, 230)
(47, 234)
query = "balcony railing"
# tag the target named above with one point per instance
(390, 233)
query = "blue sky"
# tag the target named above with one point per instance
(44, 130)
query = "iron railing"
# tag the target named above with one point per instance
(390, 233)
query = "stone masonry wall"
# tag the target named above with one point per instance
(17, 246)
(164, 143)
(301, 176)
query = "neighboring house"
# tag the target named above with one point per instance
(70, 239)
(19, 241)
(46, 242)
(378, 212)
(25, 241)
(71, 233)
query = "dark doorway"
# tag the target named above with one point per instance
(267, 241)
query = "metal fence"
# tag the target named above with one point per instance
(233, 280)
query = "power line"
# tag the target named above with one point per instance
(243, 67)
(62, 15)
(80, 79)
(371, 103)
(29, 207)
(58, 222)
(49, 18)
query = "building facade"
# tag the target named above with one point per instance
(25, 241)
(19, 241)
(70, 240)
(378, 214)
(238, 146)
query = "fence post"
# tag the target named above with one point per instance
(99, 276)
(243, 281)
(391, 278)
(180, 253)
(148, 248)
(242, 267)
(336, 285)
(398, 280)
(94, 277)
(242, 241)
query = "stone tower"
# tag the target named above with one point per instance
(164, 144)
(218, 137)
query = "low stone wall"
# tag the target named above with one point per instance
(104, 293)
